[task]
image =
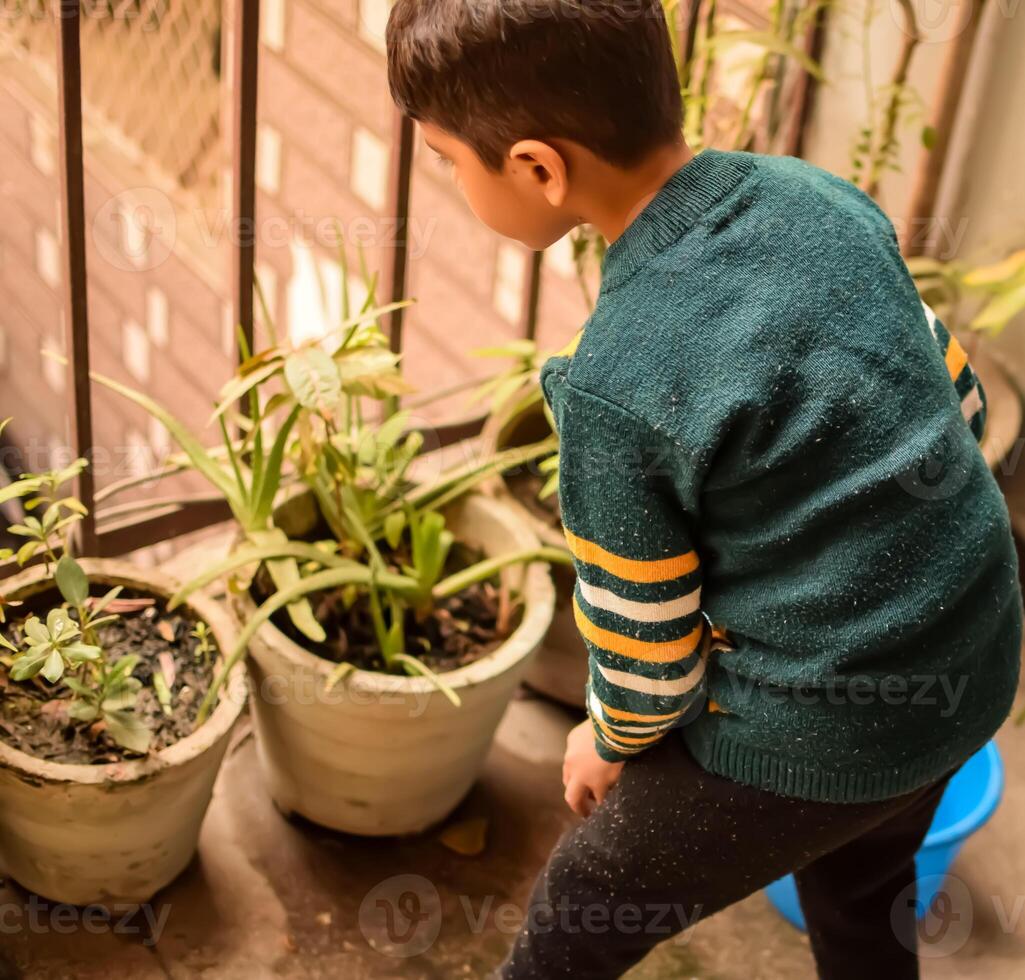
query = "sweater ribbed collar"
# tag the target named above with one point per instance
(700, 183)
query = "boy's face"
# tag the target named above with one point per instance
(524, 201)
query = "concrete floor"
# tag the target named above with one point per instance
(268, 897)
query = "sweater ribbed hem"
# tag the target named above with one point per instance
(764, 769)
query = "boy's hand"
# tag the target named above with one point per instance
(585, 774)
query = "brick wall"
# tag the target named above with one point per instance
(325, 124)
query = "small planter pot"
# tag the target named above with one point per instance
(969, 801)
(113, 833)
(560, 669)
(383, 754)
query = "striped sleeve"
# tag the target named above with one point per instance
(966, 382)
(637, 601)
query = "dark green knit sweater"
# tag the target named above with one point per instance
(759, 434)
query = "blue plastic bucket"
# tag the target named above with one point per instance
(969, 801)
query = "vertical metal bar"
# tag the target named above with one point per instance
(807, 85)
(532, 296)
(400, 193)
(245, 51)
(688, 39)
(72, 231)
(916, 239)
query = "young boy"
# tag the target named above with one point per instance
(796, 577)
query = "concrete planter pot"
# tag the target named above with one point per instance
(383, 754)
(1003, 412)
(114, 833)
(559, 671)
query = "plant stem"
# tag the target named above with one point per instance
(484, 570)
(881, 151)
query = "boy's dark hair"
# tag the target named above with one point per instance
(491, 72)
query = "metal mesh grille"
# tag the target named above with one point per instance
(151, 76)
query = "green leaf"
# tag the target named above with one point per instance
(484, 570)
(313, 378)
(60, 625)
(163, 692)
(190, 445)
(999, 311)
(270, 546)
(35, 630)
(83, 710)
(394, 525)
(928, 137)
(72, 581)
(998, 273)
(284, 572)
(770, 42)
(76, 653)
(26, 551)
(20, 488)
(414, 666)
(100, 604)
(269, 481)
(123, 667)
(53, 667)
(525, 349)
(242, 384)
(339, 672)
(329, 579)
(128, 730)
(29, 664)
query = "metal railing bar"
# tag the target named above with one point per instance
(245, 54)
(532, 296)
(72, 234)
(116, 513)
(399, 198)
(688, 39)
(121, 538)
(807, 85)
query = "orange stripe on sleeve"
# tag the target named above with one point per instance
(656, 653)
(632, 569)
(619, 715)
(956, 358)
(622, 738)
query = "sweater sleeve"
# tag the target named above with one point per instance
(966, 382)
(638, 589)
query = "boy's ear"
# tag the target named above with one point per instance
(542, 165)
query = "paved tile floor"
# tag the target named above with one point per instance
(270, 897)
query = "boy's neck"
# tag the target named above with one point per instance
(614, 197)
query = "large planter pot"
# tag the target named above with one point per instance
(1003, 408)
(560, 669)
(118, 832)
(383, 754)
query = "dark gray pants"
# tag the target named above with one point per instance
(673, 844)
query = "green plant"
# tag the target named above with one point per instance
(204, 646)
(323, 414)
(64, 647)
(995, 292)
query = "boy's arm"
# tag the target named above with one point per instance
(966, 382)
(637, 598)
